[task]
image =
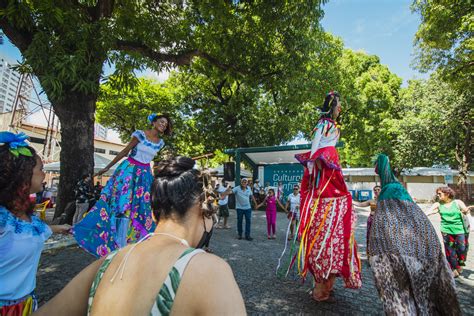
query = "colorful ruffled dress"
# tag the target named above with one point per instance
(327, 218)
(21, 243)
(410, 270)
(123, 213)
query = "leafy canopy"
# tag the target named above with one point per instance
(445, 40)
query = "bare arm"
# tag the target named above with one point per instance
(462, 206)
(197, 295)
(73, 299)
(287, 205)
(361, 204)
(133, 142)
(253, 199)
(60, 229)
(227, 192)
(281, 205)
(433, 210)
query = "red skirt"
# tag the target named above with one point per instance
(328, 246)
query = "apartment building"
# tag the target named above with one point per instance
(9, 81)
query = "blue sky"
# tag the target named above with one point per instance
(380, 27)
(385, 28)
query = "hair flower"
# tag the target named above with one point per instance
(16, 142)
(152, 116)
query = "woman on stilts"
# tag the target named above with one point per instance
(327, 248)
(123, 213)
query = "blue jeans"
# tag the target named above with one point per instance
(248, 217)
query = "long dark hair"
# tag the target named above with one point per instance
(15, 180)
(330, 102)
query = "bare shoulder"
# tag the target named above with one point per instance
(209, 263)
(209, 286)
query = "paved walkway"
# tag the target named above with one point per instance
(254, 265)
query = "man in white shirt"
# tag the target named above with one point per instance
(256, 188)
(294, 213)
(223, 206)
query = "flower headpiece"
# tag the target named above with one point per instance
(152, 116)
(17, 143)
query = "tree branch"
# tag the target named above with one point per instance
(178, 59)
(181, 59)
(20, 37)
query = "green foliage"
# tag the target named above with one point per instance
(369, 92)
(127, 110)
(433, 125)
(67, 43)
(445, 40)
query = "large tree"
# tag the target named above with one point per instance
(434, 127)
(445, 40)
(218, 109)
(67, 43)
(369, 92)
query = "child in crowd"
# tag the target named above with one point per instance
(271, 210)
(373, 206)
(22, 234)
(294, 213)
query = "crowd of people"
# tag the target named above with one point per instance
(164, 222)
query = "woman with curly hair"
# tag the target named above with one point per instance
(22, 234)
(122, 215)
(455, 234)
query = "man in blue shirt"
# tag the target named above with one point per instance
(243, 194)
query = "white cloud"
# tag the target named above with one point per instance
(160, 77)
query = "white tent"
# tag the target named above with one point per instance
(99, 164)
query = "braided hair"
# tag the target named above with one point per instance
(15, 180)
(178, 186)
(330, 103)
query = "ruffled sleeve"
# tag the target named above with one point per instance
(140, 135)
(5, 225)
(36, 229)
(317, 133)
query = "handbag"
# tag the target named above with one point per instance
(466, 223)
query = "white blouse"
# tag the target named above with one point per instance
(145, 150)
(325, 134)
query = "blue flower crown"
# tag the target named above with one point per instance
(17, 143)
(152, 117)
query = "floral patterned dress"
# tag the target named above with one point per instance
(123, 213)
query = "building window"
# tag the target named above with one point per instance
(99, 150)
(113, 152)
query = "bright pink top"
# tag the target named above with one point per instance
(271, 203)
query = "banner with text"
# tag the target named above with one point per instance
(289, 174)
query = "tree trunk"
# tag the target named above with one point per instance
(76, 114)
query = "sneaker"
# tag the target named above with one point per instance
(239, 237)
(227, 227)
(249, 238)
